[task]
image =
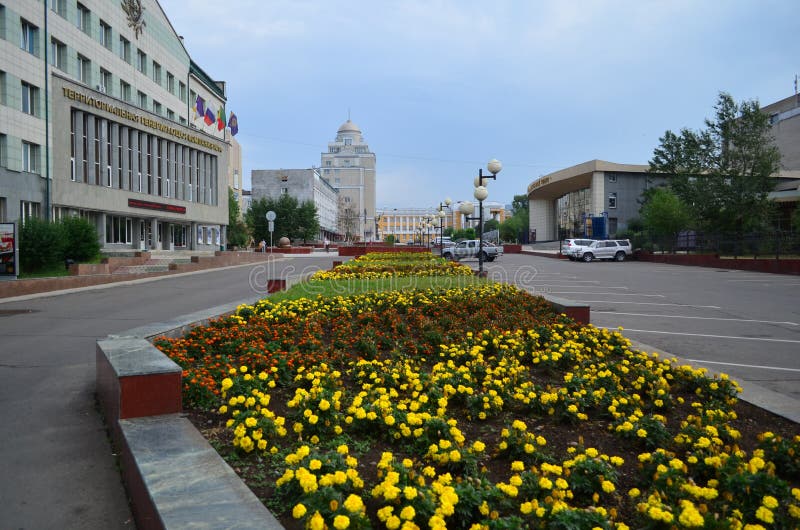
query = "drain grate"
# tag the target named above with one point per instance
(12, 312)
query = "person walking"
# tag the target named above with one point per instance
(263, 246)
(327, 244)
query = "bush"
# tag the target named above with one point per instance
(80, 239)
(41, 245)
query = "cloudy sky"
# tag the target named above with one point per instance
(439, 87)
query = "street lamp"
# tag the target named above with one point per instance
(446, 204)
(481, 193)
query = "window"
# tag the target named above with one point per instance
(124, 91)
(3, 153)
(612, 200)
(156, 107)
(58, 54)
(3, 92)
(170, 83)
(30, 99)
(142, 97)
(171, 114)
(28, 209)
(124, 49)
(156, 72)
(284, 191)
(84, 70)
(60, 7)
(105, 35)
(27, 38)
(182, 90)
(348, 141)
(118, 229)
(141, 61)
(30, 157)
(84, 18)
(105, 80)
(612, 178)
(182, 120)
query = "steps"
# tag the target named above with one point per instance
(160, 263)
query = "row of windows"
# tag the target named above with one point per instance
(106, 153)
(29, 38)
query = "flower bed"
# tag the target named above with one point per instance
(476, 408)
(389, 264)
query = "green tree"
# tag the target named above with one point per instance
(464, 233)
(723, 172)
(390, 239)
(491, 224)
(41, 245)
(237, 229)
(81, 242)
(448, 231)
(510, 229)
(292, 219)
(665, 214)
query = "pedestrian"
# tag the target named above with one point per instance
(263, 246)
(327, 244)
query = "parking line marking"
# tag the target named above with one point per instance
(584, 286)
(711, 336)
(745, 365)
(647, 303)
(698, 318)
(612, 294)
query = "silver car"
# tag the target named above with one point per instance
(612, 249)
(574, 247)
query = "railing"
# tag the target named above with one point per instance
(777, 244)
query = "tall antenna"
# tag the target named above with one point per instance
(795, 90)
(795, 84)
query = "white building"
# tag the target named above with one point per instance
(98, 119)
(349, 166)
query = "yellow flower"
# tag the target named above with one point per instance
(765, 514)
(298, 511)
(316, 522)
(770, 502)
(340, 522)
(408, 513)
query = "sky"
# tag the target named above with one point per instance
(440, 87)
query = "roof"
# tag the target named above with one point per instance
(556, 184)
(349, 126)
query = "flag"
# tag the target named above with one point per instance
(210, 116)
(221, 118)
(233, 123)
(199, 107)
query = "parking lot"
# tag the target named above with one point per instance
(745, 324)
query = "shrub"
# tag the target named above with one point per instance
(80, 239)
(40, 245)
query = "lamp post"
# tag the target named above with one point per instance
(442, 215)
(481, 193)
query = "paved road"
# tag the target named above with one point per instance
(746, 324)
(57, 469)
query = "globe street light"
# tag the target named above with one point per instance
(442, 215)
(481, 193)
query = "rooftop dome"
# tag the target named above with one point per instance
(349, 126)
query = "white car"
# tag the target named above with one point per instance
(616, 249)
(572, 247)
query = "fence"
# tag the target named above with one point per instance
(777, 244)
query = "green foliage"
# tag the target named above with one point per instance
(796, 219)
(464, 233)
(390, 239)
(40, 245)
(723, 171)
(510, 229)
(664, 214)
(491, 224)
(292, 219)
(448, 232)
(237, 230)
(513, 227)
(81, 242)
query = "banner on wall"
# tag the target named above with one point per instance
(8, 251)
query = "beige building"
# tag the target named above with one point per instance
(235, 174)
(98, 119)
(407, 224)
(349, 166)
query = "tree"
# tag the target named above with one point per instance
(510, 229)
(665, 214)
(81, 242)
(723, 172)
(464, 233)
(491, 224)
(292, 219)
(237, 230)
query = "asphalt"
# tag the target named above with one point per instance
(57, 467)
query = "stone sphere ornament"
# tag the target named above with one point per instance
(284, 242)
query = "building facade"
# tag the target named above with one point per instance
(408, 224)
(235, 174)
(349, 166)
(562, 202)
(303, 185)
(98, 118)
(784, 115)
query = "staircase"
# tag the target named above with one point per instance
(160, 261)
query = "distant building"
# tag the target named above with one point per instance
(98, 119)
(561, 202)
(234, 173)
(784, 115)
(349, 166)
(303, 185)
(404, 223)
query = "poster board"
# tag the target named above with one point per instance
(8, 251)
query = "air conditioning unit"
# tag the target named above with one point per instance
(101, 88)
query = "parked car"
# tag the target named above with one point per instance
(469, 249)
(616, 249)
(446, 241)
(571, 247)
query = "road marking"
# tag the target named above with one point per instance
(710, 336)
(647, 303)
(698, 318)
(612, 294)
(746, 365)
(765, 280)
(584, 286)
